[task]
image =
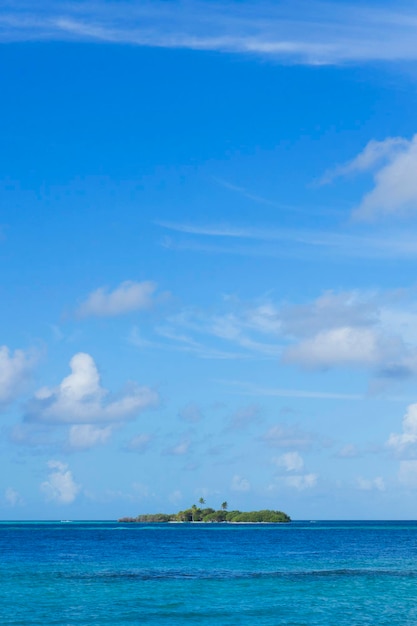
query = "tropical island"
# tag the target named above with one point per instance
(207, 515)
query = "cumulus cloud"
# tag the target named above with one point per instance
(349, 329)
(290, 472)
(346, 329)
(80, 399)
(85, 436)
(393, 163)
(290, 461)
(405, 443)
(240, 484)
(15, 369)
(60, 485)
(375, 330)
(127, 297)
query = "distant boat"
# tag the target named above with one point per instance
(66, 521)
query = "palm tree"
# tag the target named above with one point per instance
(224, 506)
(202, 501)
(194, 509)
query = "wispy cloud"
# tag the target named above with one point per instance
(258, 199)
(245, 240)
(298, 32)
(374, 331)
(250, 389)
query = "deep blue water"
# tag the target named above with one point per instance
(322, 573)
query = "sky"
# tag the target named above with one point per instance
(208, 218)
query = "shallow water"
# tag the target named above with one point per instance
(217, 574)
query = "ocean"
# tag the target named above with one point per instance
(302, 573)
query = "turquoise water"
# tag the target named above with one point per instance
(218, 574)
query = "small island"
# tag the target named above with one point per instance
(209, 515)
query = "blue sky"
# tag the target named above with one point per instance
(208, 253)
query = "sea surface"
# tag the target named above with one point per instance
(318, 573)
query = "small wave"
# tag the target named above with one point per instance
(162, 574)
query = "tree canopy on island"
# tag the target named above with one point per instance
(195, 514)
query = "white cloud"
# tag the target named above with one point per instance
(15, 369)
(290, 461)
(349, 451)
(346, 329)
(405, 443)
(300, 32)
(301, 481)
(13, 497)
(394, 164)
(180, 448)
(375, 330)
(309, 243)
(374, 153)
(84, 436)
(330, 310)
(240, 484)
(80, 398)
(350, 329)
(60, 486)
(139, 443)
(374, 484)
(127, 297)
(233, 328)
(282, 436)
(395, 185)
(346, 346)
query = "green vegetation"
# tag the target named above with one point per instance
(195, 514)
